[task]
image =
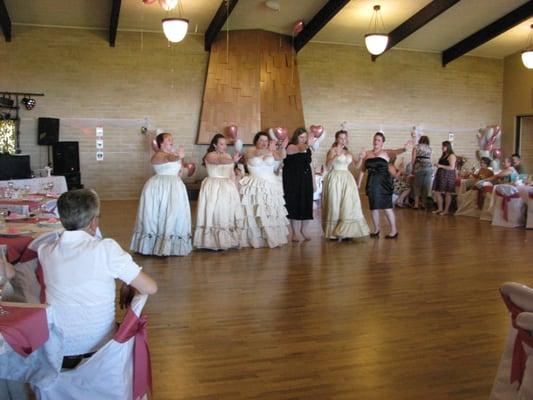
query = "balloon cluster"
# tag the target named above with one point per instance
(489, 141)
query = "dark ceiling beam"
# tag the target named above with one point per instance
(489, 32)
(113, 22)
(417, 21)
(218, 21)
(320, 20)
(5, 21)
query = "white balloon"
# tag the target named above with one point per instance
(316, 145)
(238, 145)
(272, 135)
(321, 138)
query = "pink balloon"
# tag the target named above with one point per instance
(496, 153)
(148, 1)
(281, 133)
(316, 130)
(298, 27)
(155, 147)
(231, 132)
(191, 169)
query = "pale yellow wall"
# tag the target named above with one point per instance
(517, 97)
(87, 83)
(399, 90)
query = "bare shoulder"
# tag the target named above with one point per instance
(158, 158)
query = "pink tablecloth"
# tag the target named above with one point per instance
(25, 329)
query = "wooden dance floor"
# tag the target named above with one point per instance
(415, 318)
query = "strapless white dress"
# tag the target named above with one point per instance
(219, 214)
(163, 225)
(342, 216)
(265, 216)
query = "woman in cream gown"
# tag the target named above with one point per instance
(342, 216)
(163, 225)
(265, 216)
(219, 214)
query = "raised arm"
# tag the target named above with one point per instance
(280, 153)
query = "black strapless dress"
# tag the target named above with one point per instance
(298, 186)
(379, 185)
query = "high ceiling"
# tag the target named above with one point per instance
(347, 27)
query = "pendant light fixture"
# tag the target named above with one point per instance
(376, 42)
(527, 54)
(175, 29)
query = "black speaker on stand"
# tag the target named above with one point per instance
(66, 159)
(47, 133)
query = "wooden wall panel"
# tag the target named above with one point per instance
(251, 85)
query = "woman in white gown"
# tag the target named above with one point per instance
(163, 225)
(219, 214)
(342, 216)
(265, 216)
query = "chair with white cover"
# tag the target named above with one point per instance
(27, 287)
(509, 209)
(518, 298)
(529, 223)
(109, 373)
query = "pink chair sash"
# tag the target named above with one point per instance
(25, 329)
(133, 326)
(505, 202)
(518, 364)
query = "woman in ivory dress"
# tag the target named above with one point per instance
(265, 221)
(163, 225)
(219, 214)
(342, 216)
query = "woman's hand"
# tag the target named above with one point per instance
(236, 157)
(181, 152)
(272, 145)
(311, 141)
(285, 143)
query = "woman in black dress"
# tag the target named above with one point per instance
(299, 183)
(379, 185)
(445, 179)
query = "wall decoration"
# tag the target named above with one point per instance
(8, 136)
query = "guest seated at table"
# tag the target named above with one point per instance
(518, 164)
(507, 174)
(484, 172)
(79, 275)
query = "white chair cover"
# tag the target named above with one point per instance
(525, 321)
(516, 208)
(502, 389)
(529, 223)
(42, 366)
(108, 374)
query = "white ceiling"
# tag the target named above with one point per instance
(347, 27)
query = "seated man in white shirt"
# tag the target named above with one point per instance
(79, 274)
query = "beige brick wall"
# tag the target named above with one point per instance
(399, 90)
(88, 84)
(517, 98)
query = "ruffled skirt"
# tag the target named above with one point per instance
(342, 216)
(265, 216)
(219, 215)
(163, 225)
